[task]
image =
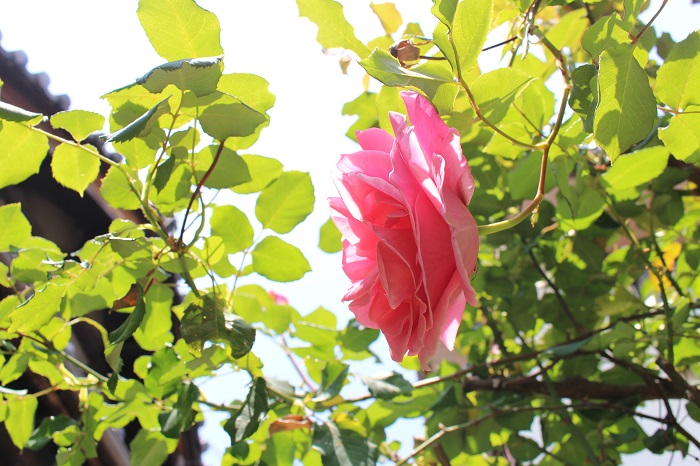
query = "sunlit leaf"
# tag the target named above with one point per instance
(496, 90)
(278, 260)
(388, 15)
(678, 79)
(627, 108)
(74, 167)
(329, 237)
(262, 170)
(79, 123)
(334, 31)
(117, 192)
(230, 119)
(682, 135)
(470, 25)
(605, 33)
(199, 75)
(38, 310)
(11, 214)
(637, 168)
(22, 153)
(20, 420)
(148, 448)
(232, 225)
(230, 169)
(180, 29)
(286, 202)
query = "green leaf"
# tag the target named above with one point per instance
(148, 449)
(48, 427)
(74, 168)
(627, 108)
(496, 91)
(560, 351)
(388, 15)
(678, 79)
(207, 320)
(129, 326)
(334, 31)
(340, 447)
(365, 107)
(262, 170)
(16, 228)
(9, 112)
(637, 168)
(589, 207)
(199, 75)
(116, 190)
(139, 127)
(38, 310)
(182, 416)
(22, 153)
(330, 238)
(584, 94)
(470, 26)
(232, 225)
(444, 10)
(427, 77)
(682, 135)
(79, 123)
(523, 448)
(180, 29)
(20, 420)
(232, 118)
(387, 385)
(605, 33)
(245, 422)
(279, 261)
(286, 202)
(251, 89)
(230, 169)
(333, 378)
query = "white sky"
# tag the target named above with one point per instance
(90, 47)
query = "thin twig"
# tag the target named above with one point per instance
(638, 36)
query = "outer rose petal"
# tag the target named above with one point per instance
(410, 242)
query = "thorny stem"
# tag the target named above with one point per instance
(638, 36)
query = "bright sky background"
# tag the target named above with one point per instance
(90, 47)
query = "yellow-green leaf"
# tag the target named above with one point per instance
(627, 108)
(278, 260)
(180, 29)
(678, 79)
(682, 135)
(16, 228)
(637, 168)
(74, 168)
(22, 152)
(334, 31)
(388, 15)
(20, 420)
(79, 123)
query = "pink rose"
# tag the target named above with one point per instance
(410, 243)
(278, 298)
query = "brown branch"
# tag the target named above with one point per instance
(692, 393)
(574, 388)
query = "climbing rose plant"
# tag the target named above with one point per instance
(581, 278)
